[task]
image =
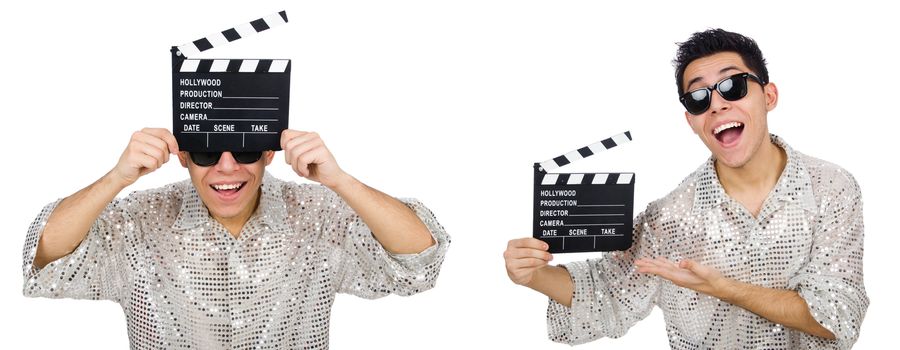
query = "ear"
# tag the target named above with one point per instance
(182, 157)
(268, 155)
(771, 92)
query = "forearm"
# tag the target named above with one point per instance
(780, 306)
(554, 282)
(393, 224)
(72, 218)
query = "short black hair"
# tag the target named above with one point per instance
(713, 41)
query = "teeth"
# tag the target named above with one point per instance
(726, 126)
(226, 186)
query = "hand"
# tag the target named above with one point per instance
(308, 156)
(687, 273)
(147, 151)
(524, 257)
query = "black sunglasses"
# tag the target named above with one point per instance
(211, 158)
(732, 88)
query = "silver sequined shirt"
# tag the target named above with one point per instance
(808, 237)
(184, 281)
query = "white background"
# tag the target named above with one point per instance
(450, 102)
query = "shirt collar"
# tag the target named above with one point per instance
(272, 210)
(794, 184)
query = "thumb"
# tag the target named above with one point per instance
(688, 264)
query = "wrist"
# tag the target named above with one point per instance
(112, 180)
(554, 282)
(548, 276)
(727, 290)
(536, 278)
(342, 182)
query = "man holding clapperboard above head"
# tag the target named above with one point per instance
(233, 257)
(760, 247)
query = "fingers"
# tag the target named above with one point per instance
(300, 168)
(309, 157)
(660, 271)
(643, 262)
(312, 160)
(659, 266)
(646, 267)
(299, 144)
(146, 163)
(665, 268)
(527, 263)
(650, 270)
(659, 262)
(524, 256)
(302, 161)
(166, 136)
(288, 135)
(147, 150)
(150, 145)
(664, 262)
(303, 151)
(527, 253)
(528, 242)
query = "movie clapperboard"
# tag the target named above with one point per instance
(584, 212)
(230, 104)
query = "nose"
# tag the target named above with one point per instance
(227, 163)
(718, 104)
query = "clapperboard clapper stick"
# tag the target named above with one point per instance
(585, 212)
(230, 104)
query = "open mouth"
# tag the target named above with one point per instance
(729, 133)
(228, 189)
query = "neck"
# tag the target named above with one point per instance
(759, 174)
(235, 224)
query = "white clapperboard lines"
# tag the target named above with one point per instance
(583, 212)
(230, 104)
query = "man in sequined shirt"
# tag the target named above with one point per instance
(232, 258)
(760, 248)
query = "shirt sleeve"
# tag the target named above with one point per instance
(92, 271)
(831, 282)
(609, 296)
(364, 268)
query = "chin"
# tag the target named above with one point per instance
(733, 155)
(225, 210)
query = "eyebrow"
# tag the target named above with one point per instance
(723, 70)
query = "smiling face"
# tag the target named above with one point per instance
(732, 130)
(229, 190)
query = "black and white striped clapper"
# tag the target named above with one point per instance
(584, 212)
(230, 104)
